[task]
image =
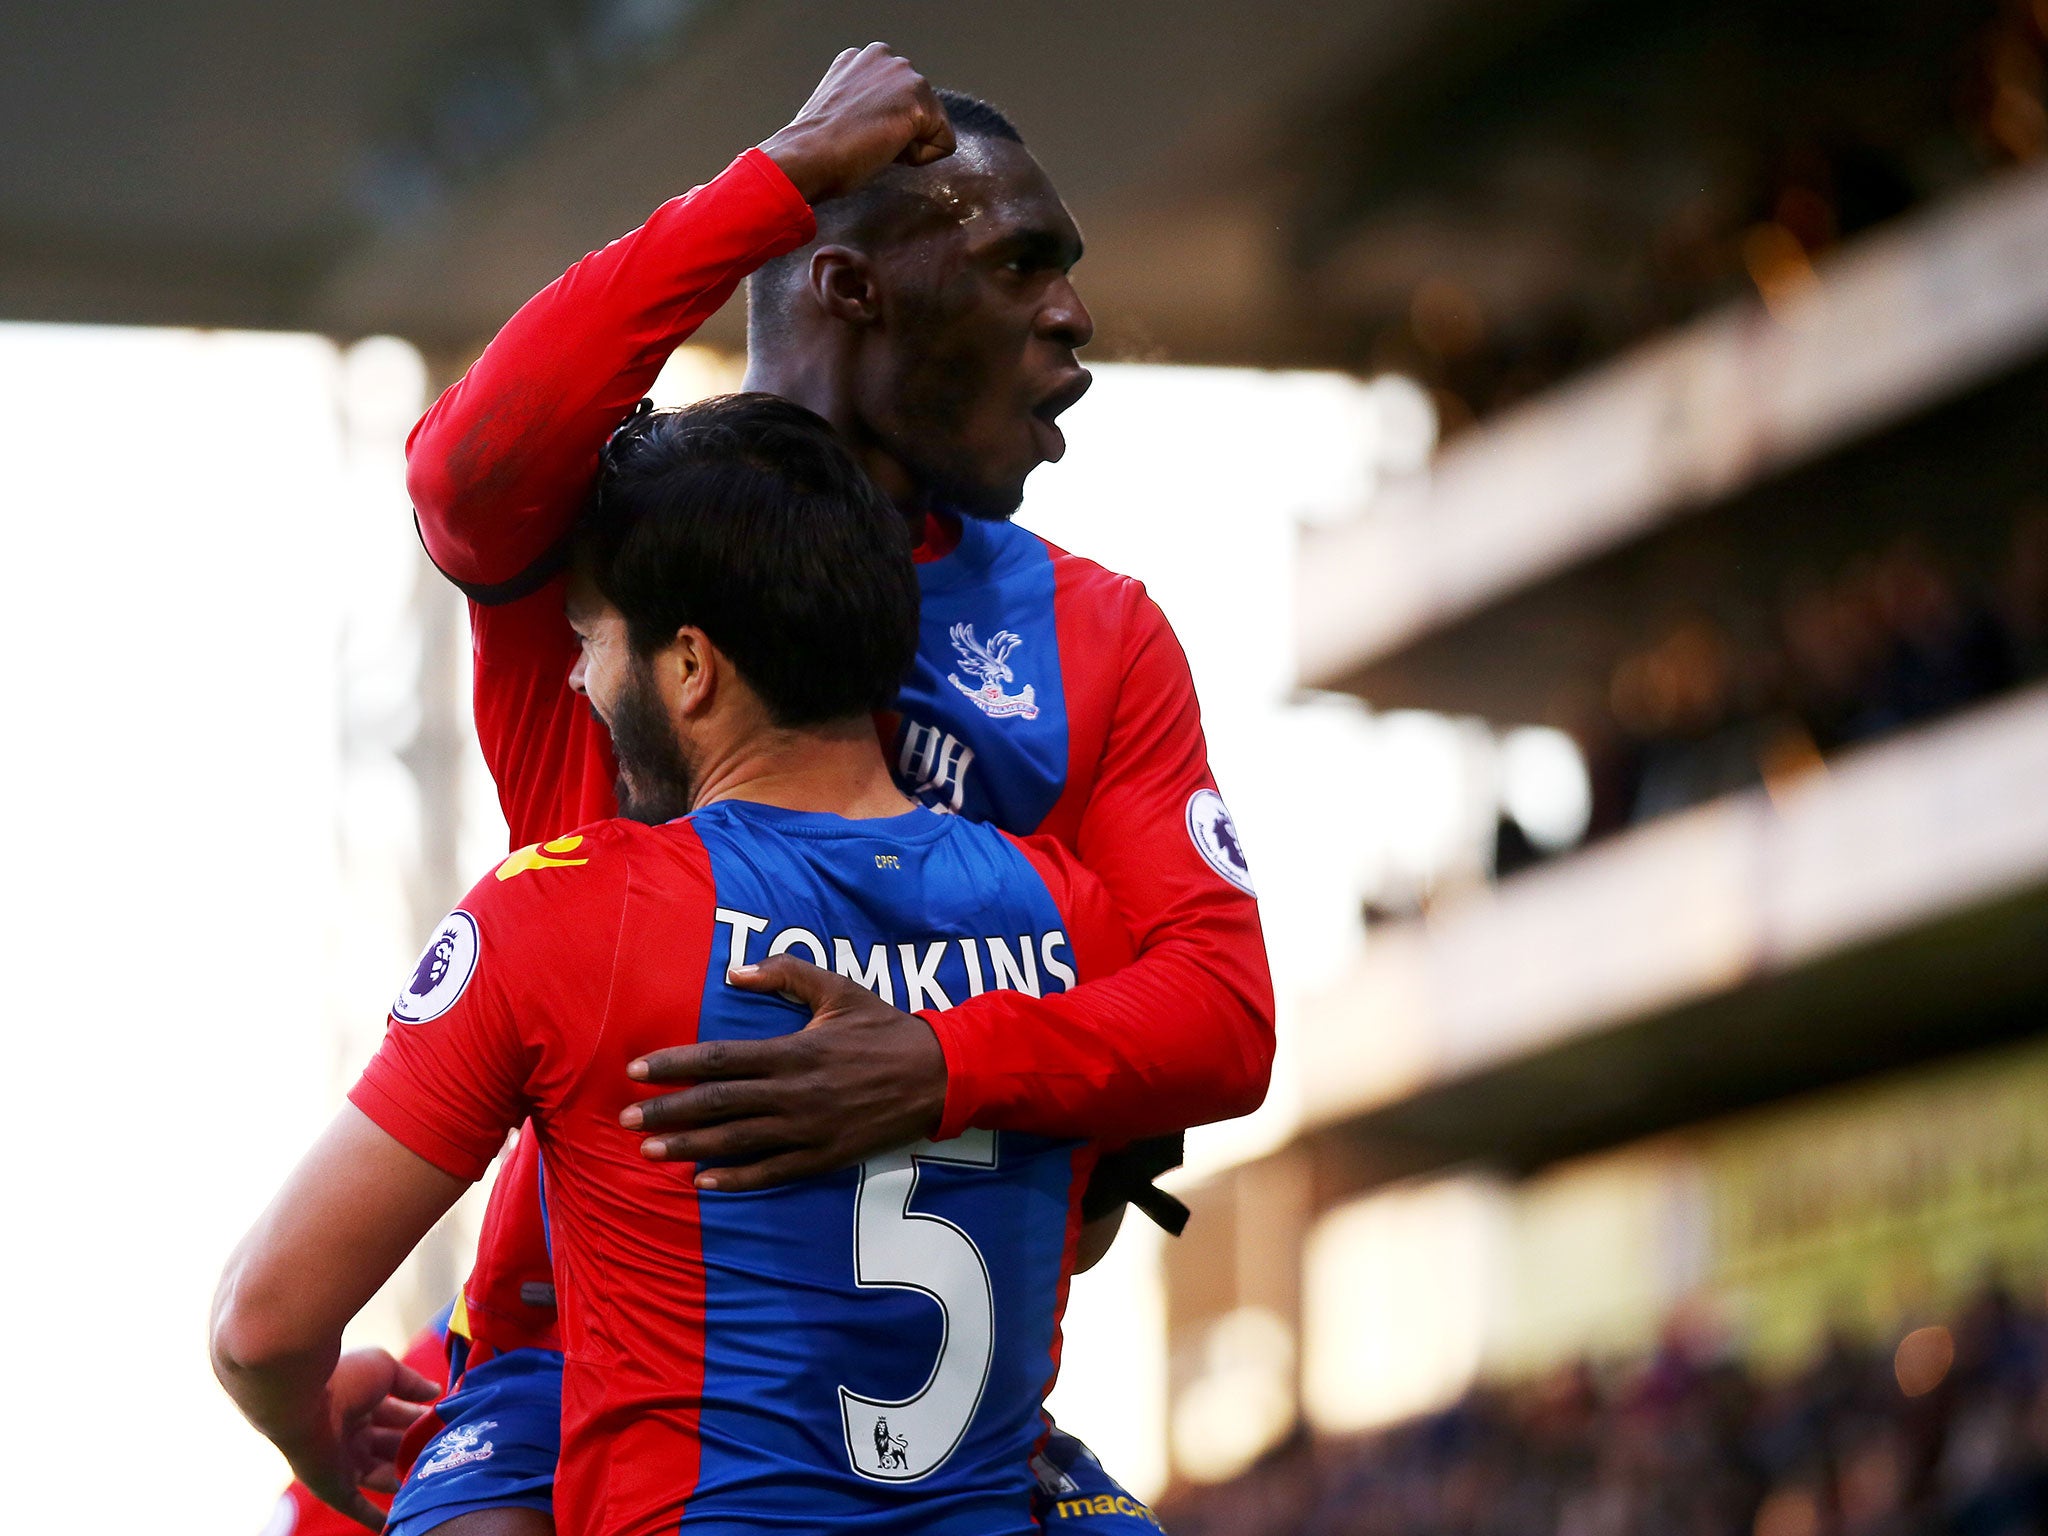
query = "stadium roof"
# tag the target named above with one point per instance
(383, 166)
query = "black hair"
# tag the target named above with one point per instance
(745, 516)
(973, 118)
(864, 216)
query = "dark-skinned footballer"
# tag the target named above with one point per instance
(910, 268)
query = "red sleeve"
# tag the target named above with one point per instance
(1095, 933)
(548, 754)
(504, 1008)
(1184, 1034)
(500, 464)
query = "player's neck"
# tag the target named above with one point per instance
(819, 378)
(835, 768)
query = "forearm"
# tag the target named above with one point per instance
(1181, 1033)
(351, 1210)
(281, 1391)
(337, 1419)
(498, 467)
(1181, 1037)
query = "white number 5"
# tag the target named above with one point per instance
(895, 1246)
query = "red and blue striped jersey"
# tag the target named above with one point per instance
(865, 1351)
(1049, 696)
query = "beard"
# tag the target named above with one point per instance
(967, 496)
(938, 393)
(946, 472)
(655, 782)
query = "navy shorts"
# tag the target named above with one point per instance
(1076, 1495)
(500, 1435)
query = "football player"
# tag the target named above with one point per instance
(862, 1351)
(911, 282)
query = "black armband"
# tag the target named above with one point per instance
(493, 594)
(1124, 1177)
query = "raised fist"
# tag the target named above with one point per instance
(871, 109)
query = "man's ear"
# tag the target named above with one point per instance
(693, 664)
(842, 284)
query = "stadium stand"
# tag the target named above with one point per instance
(1941, 1429)
(1745, 497)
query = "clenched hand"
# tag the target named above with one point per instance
(871, 109)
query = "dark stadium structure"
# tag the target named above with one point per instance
(1737, 325)
(421, 169)
(1493, 192)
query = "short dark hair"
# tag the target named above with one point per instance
(745, 516)
(973, 118)
(863, 216)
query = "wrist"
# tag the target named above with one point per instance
(938, 1083)
(303, 1428)
(799, 156)
(286, 1401)
(310, 1448)
(934, 1105)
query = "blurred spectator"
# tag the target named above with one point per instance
(1946, 1434)
(1893, 638)
(1813, 177)
(2023, 592)
(1942, 650)
(1680, 701)
(1728, 699)
(1833, 645)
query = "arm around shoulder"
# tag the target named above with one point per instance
(1183, 1034)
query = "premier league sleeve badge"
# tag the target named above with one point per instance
(445, 967)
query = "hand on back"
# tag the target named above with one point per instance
(861, 1078)
(872, 109)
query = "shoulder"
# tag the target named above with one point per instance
(1107, 603)
(555, 911)
(976, 867)
(1010, 879)
(1080, 896)
(1069, 882)
(998, 549)
(1049, 858)
(602, 847)
(583, 877)
(1083, 574)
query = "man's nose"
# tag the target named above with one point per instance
(578, 676)
(1065, 319)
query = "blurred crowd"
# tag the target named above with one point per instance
(1862, 140)
(1897, 636)
(1943, 1433)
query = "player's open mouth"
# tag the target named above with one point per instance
(1052, 442)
